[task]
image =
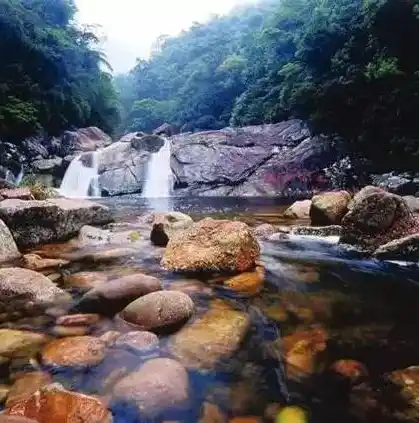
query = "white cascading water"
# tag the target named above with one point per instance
(159, 174)
(82, 181)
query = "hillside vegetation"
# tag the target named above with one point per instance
(351, 67)
(52, 77)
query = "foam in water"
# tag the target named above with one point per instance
(81, 180)
(159, 174)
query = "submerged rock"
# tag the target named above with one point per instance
(264, 231)
(376, 218)
(159, 311)
(138, 341)
(298, 210)
(18, 343)
(329, 208)
(407, 383)
(76, 351)
(55, 404)
(19, 286)
(157, 385)
(35, 262)
(406, 248)
(8, 247)
(216, 335)
(166, 225)
(331, 230)
(303, 350)
(247, 283)
(212, 245)
(26, 385)
(41, 222)
(89, 235)
(114, 295)
(351, 370)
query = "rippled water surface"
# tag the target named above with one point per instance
(318, 304)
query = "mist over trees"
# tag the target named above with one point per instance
(350, 67)
(52, 77)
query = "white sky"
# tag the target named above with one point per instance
(131, 26)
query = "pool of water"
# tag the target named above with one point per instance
(319, 304)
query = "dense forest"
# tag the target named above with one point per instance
(52, 76)
(350, 67)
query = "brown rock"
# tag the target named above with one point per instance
(18, 343)
(158, 384)
(303, 350)
(377, 218)
(16, 194)
(329, 208)
(63, 331)
(210, 413)
(112, 296)
(4, 392)
(110, 337)
(26, 385)
(247, 283)
(350, 370)
(246, 419)
(55, 404)
(140, 341)
(212, 245)
(77, 351)
(190, 287)
(299, 210)
(27, 285)
(159, 311)
(216, 335)
(85, 280)
(78, 320)
(35, 262)
(15, 419)
(166, 225)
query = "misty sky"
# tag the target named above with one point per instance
(131, 26)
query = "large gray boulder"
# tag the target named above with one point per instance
(268, 160)
(81, 140)
(122, 168)
(8, 247)
(375, 218)
(41, 222)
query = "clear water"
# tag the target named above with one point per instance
(368, 309)
(159, 175)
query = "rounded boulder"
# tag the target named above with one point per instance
(162, 311)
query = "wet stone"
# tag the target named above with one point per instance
(138, 341)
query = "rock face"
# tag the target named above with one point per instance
(23, 286)
(165, 225)
(212, 245)
(266, 160)
(40, 222)
(55, 404)
(376, 218)
(122, 168)
(216, 335)
(329, 208)
(150, 143)
(158, 384)
(159, 311)
(299, 210)
(8, 247)
(112, 296)
(81, 141)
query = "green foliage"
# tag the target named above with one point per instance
(38, 190)
(51, 75)
(351, 67)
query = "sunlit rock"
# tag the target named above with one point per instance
(329, 208)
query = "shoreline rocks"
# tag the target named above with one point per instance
(40, 222)
(329, 208)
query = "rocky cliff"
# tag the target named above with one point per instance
(278, 159)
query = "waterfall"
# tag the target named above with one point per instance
(81, 178)
(159, 174)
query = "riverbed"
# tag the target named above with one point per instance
(336, 304)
